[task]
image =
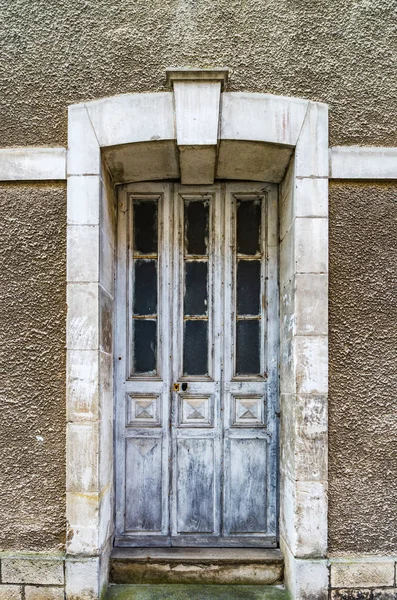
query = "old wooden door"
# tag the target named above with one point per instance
(196, 365)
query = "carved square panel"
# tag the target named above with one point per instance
(143, 411)
(195, 411)
(249, 411)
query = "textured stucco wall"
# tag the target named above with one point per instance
(363, 372)
(57, 53)
(32, 366)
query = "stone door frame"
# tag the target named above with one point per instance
(197, 133)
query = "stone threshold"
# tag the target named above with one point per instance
(220, 566)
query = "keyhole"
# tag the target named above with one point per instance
(184, 387)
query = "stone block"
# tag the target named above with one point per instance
(311, 364)
(311, 245)
(385, 594)
(310, 519)
(311, 197)
(84, 155)
(83, 253)
(355, 162)
(106, 263)
(287, 200)
(287, 257)
(262, 118)
(10, 592)
(83, 200)
(32, 164)
(352, 573)
(82, 316)
(38, 571)
(82, 509)
(311, 438)
(44, 593)
(82, 579)
(311, 304)
(312, 146)
(82, 456)
(131, 118)
(82, 385)
(106, 314)
(351, 594)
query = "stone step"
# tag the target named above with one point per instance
(196, 592)
(237, 566)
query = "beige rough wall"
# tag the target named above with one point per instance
(339, 52)
(363, 368)
(32, 366)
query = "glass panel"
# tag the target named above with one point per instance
(145, 226)
(145, 287)
(247, 351)
(248, 226)
(196, 227)
(196, 274)
(145, 346)
(248, 287)
(195, 348)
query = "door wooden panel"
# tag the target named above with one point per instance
(196, 364)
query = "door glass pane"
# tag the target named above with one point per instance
(195, 348)
(145, 346)
(145, 283)
(145, 287)
(196, 275)
(196, 227)
(248, 226)
(196, 293)
(248, 287)
(247, 347)
(145, 226)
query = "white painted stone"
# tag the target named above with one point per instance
(108, 209)
(43, 593)
(82, 316)
(287, 210)
(106, 528)
(355, 162)
(39, 571)
(82, 199)
(197, 118)
(311, 153)
(311, 580)
(197, 112)
(82, 579)
(311, 197)
(82, 509)
(311, 304)
(261, 118)
(106, 263)
(82, 253)
(132, 118)
(311, 245)
(32, 164)
(10, 592)
(311, 364)
(84, 156)
(311, 519)
(82, 385)
(367, 572)
(287, 257)
(310, 439)
(83, 540)
(82, 457)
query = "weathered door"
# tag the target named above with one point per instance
(196, 365)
